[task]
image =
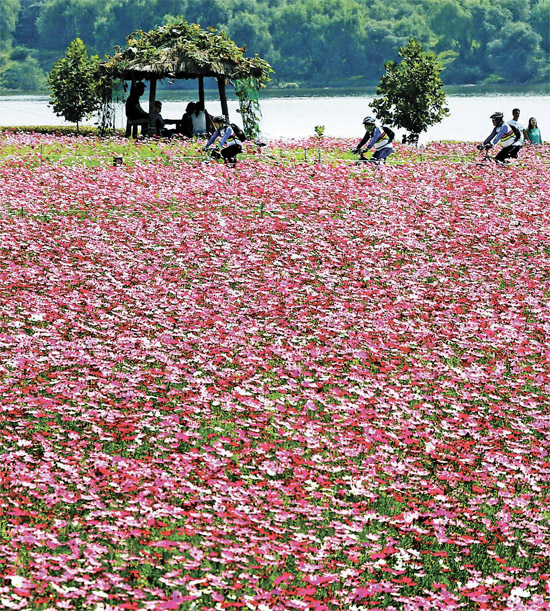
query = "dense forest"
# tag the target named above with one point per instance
(308, 42)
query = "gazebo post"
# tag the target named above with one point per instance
(223, 98)
(152, 97)
(201, 91)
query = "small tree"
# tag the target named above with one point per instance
(413, 91)
(73, 84)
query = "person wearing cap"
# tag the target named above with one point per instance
(377, 139)
(229, 145)
(504, 133)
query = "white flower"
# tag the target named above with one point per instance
(519, 592)
(310, 485)
(16, 580)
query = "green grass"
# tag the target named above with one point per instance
(60, 130)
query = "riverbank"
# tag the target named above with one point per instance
(297, 113)
(525, 89)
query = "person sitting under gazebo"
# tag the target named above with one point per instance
(135, 114)
(158, 122)
(195, 121)
(185, 126)
(202, 121)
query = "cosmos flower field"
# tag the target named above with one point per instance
(288, 385)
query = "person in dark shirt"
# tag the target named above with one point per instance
(134, 111)
(185, 126)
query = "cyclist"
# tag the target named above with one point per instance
(504, 133)
(227, 137)
(378, 138)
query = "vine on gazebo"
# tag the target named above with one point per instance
(111, 93)
(247, 92)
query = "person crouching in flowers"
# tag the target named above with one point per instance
(229, 144)
(378, 138)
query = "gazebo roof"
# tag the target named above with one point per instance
(183, 50)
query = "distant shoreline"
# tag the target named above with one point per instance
(290, 92)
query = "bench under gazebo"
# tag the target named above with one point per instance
(182, 50)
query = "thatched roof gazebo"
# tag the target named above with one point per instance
(182, 50)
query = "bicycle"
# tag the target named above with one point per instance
(362, 159)
(486, 157)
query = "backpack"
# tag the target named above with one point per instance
(238, 132)
(517, 133)
(389, 132)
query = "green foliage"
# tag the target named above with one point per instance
(19, 54)
(246, 91)
(203, 50)
(8, 21)
(413, 96)
(73, 85)
(315, 42)
(24, 74)
(61, 21)
(321, 39)
(540, 22)
(517, 52)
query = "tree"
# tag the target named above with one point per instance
(73, 85)
(516, 56)
(24, 74)
(252, 29)
(8, 22)
(413, 91)
(313, 42)
(25, 32)
(540, 22)
(117, 18)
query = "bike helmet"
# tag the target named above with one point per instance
(368, 120)
(218, 119)
(498, 116)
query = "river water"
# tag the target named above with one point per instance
(294, 114)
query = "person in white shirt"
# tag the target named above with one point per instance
(202, 122)
(515, 122)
